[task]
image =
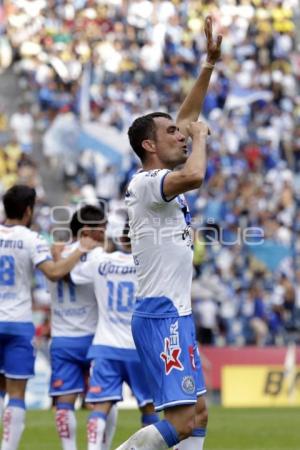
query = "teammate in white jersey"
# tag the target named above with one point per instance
(20, 250)
(73, 323)
(160, 223)
(113, 352)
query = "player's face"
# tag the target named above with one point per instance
(95, 233)
(170, 143)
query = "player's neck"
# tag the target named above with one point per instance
(155, 164)
(14, 222)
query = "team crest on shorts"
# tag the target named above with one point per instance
(188, 385)
(172, 350)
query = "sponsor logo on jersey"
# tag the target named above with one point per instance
(172, 350)
(108, 268)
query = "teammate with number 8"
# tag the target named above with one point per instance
(20, 250)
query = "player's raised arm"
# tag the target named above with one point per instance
(192, 105)
(192, 174)
(54, 271)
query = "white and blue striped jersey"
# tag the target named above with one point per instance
(162, 246)
(20, 250)
(74, 309)
(114, 278)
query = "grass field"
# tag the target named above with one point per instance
(229, 429)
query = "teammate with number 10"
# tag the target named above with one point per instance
(73, 323)
(113, 352)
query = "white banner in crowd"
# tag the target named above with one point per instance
(66, 138)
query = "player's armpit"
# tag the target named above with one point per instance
(180, 181)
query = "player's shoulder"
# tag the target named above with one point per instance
(96, 254)
(120, 257)
(18, 232)
(35, 237)
(142, 178)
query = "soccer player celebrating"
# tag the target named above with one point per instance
(73, 323)
(160, 224)
(20, 250)
(113, 352)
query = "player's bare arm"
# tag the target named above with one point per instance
(54, 271)
(192, 174)
(192, 105)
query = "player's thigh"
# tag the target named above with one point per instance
(19, 357)
(16, 388)
(106, 379)
(201, 412)
(67, 371)
(183, 418)
(137, 381)
(2, 383)
(169, 355)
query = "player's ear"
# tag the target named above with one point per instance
(28, 212)
(84, 231)
(149, 145)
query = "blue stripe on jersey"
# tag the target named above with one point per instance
(71, 342)
(184, 208)
(162, 189)
(17, 328)
(108, 352)
(155, 307)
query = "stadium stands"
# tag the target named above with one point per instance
(106, 62)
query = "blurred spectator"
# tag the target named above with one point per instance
(22, 125)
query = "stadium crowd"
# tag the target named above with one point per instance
(139, 56)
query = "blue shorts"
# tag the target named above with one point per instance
(69, 364)
(17, 356)
(107, 377)
(169, 353)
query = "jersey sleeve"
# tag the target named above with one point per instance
(40, 250)
(83, 272)
(150, 187)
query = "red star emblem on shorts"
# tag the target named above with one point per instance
(171, 357)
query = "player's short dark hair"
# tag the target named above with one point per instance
(89, 215)
(17, 199)
(125, 233)
(143, 128)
